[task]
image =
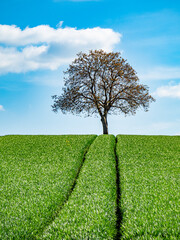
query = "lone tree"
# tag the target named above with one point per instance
(101, 83)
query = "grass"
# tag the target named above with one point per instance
(149, 177)
(90, 212)
(36, 175)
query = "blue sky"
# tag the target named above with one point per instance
(39, 38)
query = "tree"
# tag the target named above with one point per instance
(101, 83)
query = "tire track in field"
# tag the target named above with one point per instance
(118, 199)
(38, 235)
(79, 170)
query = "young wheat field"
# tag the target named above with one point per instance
(89, 187)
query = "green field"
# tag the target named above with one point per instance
(50, 188)
(149, 175)
(90, 212)
(36, 175)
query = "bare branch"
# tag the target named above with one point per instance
(101, 83)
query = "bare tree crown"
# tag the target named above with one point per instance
(102, 83)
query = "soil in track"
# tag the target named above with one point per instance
(118, 199)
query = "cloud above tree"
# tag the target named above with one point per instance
(44, 47)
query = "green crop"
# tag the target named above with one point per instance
(36, 176)
(90, 212)
(149, 177)
(48, 190)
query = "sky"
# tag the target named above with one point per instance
(40, 38)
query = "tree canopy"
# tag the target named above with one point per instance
(102, 83)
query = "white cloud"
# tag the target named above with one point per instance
(30, 58)
(43, 47)
(1, 108)
(168, 91)
(160, 73)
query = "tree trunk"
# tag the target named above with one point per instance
(105, 124)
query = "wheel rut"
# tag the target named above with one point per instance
(118, 196)
(118, 199)
(54, 216)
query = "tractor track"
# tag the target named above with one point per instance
(118, 199)
(55, 215)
